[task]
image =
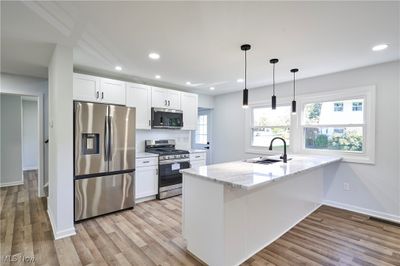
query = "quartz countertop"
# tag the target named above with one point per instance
(196, 151)
(145, 155)
(244, 175)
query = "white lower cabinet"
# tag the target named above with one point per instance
(146, 178)
(197, 159)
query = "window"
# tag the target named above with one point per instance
(267, 124)
(201, 130)
(337, 130)
(338, 107)
(357, 106)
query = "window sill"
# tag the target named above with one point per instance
(346, 157)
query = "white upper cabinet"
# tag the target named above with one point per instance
(189, 106)
(112, 91)
(86, 88)
(164, 98)
(139, 96)
(95, 89)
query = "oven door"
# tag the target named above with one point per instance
(169, 174)
(166, 118)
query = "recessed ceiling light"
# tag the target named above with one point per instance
(240, 80)
(380, 47)
(118, 68)
(157, 76)
(154, 56)
(212, 88)
(188, 83)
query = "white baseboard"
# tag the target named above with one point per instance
(62, 233)
(29, 168)
(145, 199)
(9, 184)
(381, 215)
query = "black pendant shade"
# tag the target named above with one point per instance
(294, 70)
(245, 48)
(273, 99)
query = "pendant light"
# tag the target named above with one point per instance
(294, 70)
(245, 48)
(273, 100)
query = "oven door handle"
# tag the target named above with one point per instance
(174, 161)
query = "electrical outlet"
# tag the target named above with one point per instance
(346, 186)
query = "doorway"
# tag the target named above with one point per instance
(22, 139)
(202, 137)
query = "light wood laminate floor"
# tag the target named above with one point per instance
(151, 235)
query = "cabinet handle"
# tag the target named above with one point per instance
(149, 122)
(146, 161)
(102, 95)
(166, 103)
(169, 103)
(197, 156)
(97, 94)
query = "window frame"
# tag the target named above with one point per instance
(297, 139)
(249, 148)
(368, 94)
(197, 127)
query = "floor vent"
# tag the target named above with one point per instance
(384, 221)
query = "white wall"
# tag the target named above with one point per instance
(60, 200)
(11, 149)
(206, 101)
(182, 137)
(29, 135)
(374, 188)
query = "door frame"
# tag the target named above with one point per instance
(209, 112)
(41, 144)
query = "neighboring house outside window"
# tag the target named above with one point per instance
(338, 107)
(357, 106)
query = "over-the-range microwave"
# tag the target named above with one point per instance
(166, 118)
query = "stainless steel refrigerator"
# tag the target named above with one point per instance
(104, 159)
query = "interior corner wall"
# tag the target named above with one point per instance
(374, 189)
(11, 140)
(60, 200)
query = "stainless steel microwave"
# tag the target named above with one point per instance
(166, 118)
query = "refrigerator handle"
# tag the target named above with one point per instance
(110, 138)
(106, 138)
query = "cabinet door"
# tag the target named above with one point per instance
(139, 96)
(159, 97)
(174, 99)
(112, 91)
(146, 179)
(197, 163)
(86, 88)
(189, 104)
(164, 98)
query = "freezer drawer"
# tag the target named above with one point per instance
(104, 194)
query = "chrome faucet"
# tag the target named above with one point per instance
(284, 157)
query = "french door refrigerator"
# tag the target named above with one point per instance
(104, 159)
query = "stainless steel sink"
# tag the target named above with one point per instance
(262, 160)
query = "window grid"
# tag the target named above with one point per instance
(201, 130)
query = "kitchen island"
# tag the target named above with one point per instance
(233, 210)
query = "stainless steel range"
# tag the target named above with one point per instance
(170, 161)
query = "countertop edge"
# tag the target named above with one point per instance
(233, 185)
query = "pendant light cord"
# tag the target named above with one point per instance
(294, 85)
(245, 69)
(273, 79)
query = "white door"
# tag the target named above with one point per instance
(86, 88)
(139, 96)
(112, 91)
(146, 181)
(189, 103)
(202, 138)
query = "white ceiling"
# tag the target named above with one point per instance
(199, 41)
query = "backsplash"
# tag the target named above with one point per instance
(182, 137)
